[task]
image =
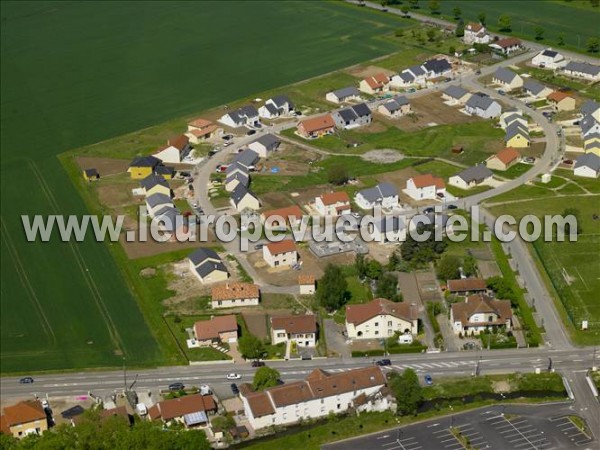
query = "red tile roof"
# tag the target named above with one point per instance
(179, 142)
(467, 284)
(481, 304)
(204, 131)
(306, 279)
(474, 27)
(288, 211)
(317, 123)
(508, 155)
(210, 329)
(285, 246)
(295, 324)
(200, 123)
(331, 198)
(508, 42)
(24, 412)
(233, 291)
(358, 314)
(179, 407)
(377, 81)
(260, 404)
(558, 96)
(427, 179)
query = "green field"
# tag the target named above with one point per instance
(77, 73)
(575, 19)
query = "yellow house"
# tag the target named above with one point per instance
(142, 166)
(561, 101)
(517, 136)
(90, 174)
(155, 184)
(592, 145)
(24, 418)
(242, 198)
(167, 172)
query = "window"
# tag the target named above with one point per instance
(322, 409)
(376, 324)
(490, 318)
(220, 303)
(322, 401)
(389, 323)
(376, 332)
(339, 405)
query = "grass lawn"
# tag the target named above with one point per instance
(548, 77)
(513, 172)
(358, 293)
(109, 82)
(581, 260)
(178, 325)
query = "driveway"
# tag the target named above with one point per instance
(336, 342)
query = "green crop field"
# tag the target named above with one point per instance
(576, 21)
(76, 73)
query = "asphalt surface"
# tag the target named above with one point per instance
(519, 427)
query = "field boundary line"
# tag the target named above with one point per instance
(22, 273)
(110, 326)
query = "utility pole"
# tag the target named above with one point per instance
(124, 376)
(594, 359)
(549, 364)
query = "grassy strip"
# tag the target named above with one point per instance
(532, 332)
(579, 423)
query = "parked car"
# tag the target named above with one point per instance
(233, 376)
(428, 210)
(250, 132)
(428, 380)
(258, 246)
(227, 137)
(384, 362)
(452, 207)
(234, 389)
(176, 386)
(501, 92)
(258, 363)
(26, 380)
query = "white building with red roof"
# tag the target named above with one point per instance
(374, 84)
(281, 254)
(301, 329)
(425, 187)
(381, 318)
(475, 33)
(333, 204)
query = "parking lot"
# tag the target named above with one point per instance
(526, 427)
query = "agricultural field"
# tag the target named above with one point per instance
(577, 285)
(73, 305)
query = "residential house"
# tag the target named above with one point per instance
(217, 329)
(91, 174)
(535, 89)
(142, 166)
(316, 127)
(587, 165)
(25, 418)
(265, 145)
(319, 395)
(589, 126)
(307, 284)
(243, 198)
(549, 59)
(167, 172)
(511, 116)
(333, 204)
(169, 219)
(456, 95)
(582, 70)
(238, 177)
(438, 67)
(591, 108)
(507, 46)
(479, 313)
(347, 94)
(517, 135)
(176, 150)
(414, 75)
(483, 106)
(277, 106)
(425, 187)
(561, 101)
(475, 33)
(189, 410)
(396, 107)
(507, 79)
(592, 144)
(245, 116)
(380, 319)
(301, 329)
(384, 195)
(156, 202)
(207, 265)
(236, 167)
(200, 129)
(155, 184)
(471, 177)
(375, 84)
(504, 159)
(230, 295)
(281, 218)
(388, 229)
(353, 117)
(282, 253)
(247, 158)
(467, 286)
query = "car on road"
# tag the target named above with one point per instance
(384, 362)
(428, 380)
(258, 363)
(428, 210)
(258, 246)
(233, 376)
(194, 204)
(234, 389)
(478, 72)
(452, 207)
(250, 132)
(45, 404)
(227, 137)
(227, 144)
(501, 92)
(26, 380)
(176, 386)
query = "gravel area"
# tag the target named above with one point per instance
(383, 156)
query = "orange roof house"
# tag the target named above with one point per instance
(285, 246)
(316, 127)
(219, 328)
(191, 410)
(427, 179)
(290, 214)
(26, 417)
(504, 159)
(561, 101)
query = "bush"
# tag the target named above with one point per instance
(366, 353)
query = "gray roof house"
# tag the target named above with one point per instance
(239, 193)
(534, 88)
(384, 194)
(515, 128)
(343, 95)
(455, 92)
(589, 125)
(247, 158)
(170, 218)
(483, 106)
(587, 165)
(246, 115)
(504, 76)
(395, 105)
(241, 177)
(281, 101)
(437, 67)
(205, 261)
(471, 176)
(353, 116)
(582, 69)
(153, 180)
(590, 107)
(592, 145)
(236, 167)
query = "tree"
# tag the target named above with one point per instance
(431, 34)
(414, 4)
(457, 12)
(539, 32)
(420, 253)
(460, 29)
(448, 268)
(251, 347)
(407, 390)
(337, 175)
(387, 287)
(561, 39)
(505, 22)
(405, 9)
(451, 50)
(399, 33)
(360, 264)
(332, 288)
(469, 266)
(595, 3)
(481, 18)
(373, 269)
(265, 377)
(434, 6)
(502, 289)
(393, 261)
(593, 45)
